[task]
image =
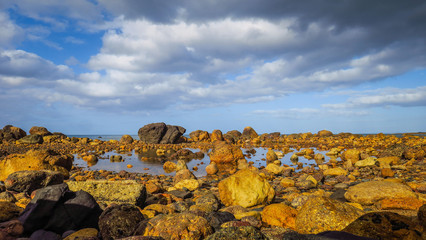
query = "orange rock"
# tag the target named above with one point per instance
(387, 172)
(223, 152)
(401, 203)
(216, 135)
(280, 215)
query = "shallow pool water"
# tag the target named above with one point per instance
(152, 164)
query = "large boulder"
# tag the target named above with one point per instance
(280, 215)
(10, 132)
(108, 192)
(179, 226)
(245, 188)
(367, 193)
(384, 225)
(28, 181)
(321, 214)
(57, 209)
(224, 153)
(40, 131)
(118, 221)
(160, 133)
(35, 159)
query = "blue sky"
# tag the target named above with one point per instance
(110, 67)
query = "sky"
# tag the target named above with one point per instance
(111, 67)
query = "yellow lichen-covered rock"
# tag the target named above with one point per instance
(280, 215)
(274, 168)
(335, 171)
(271, 155)
(367, 193)
(386, 162)
(85, 233)
(245, 188)
(352, 155)
(190, 184)
(178, 226)
(368, 162)
(321, 214)
(35, 160)
(216, 136)
(287, 182)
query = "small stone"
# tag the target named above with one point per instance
(368, 162)
(335, 171)
(387, 172)
(287, 182)
(212, 168)
(169, 166)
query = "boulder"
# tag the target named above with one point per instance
(245, 188)
(224, 153)
(108, 192)
(321, 214)
(10, 132)
(119, 221)
(8, 211)
(160, 133)
(126, 139)
(199, 136)
(243, 232)
(36, 160)
(31, 139)
(39, 131)
(367, 193)
(232, 136)
(384, 225)
(178, 226)
(28, 181)
(280, 215)
(216, 135)
(249, 133)
(324, 133)
(56, 209)
(352, 155)
(271, 156)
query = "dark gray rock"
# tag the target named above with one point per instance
(384, 225)
(247, 232)
(160, 133)
(28, 181)
(31, 139)
(56, 209)
(216, 219)
(45, 235)
(119, 221)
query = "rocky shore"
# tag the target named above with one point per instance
(372, 187)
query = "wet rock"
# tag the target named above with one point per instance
(28, 181)
(245, 188)
(160, 133)
(116, 158)
(126, 139)
(245, 232)
(31, 139)
(370, 192)
(280, 215)
(223, 152)
(107, 192)
(40, 131)
(178, 226)
(320, 214)
(119, 221)
(35, 160)
(10, 132)
(216, 135)
(384, 225)
(8, 211)
(84, 234)
(55, 208)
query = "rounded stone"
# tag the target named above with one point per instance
(280, 215)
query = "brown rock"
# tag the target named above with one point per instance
(10, 132)
(271, 156)
(325, 133)
(216, 136)
(182, 175)
(370, 192)
(223, 152)
(280, 215)
(126, 139)
(321, 214)
(249, 133)
(199, 136)
(40, 131)
(387, 172)
(9, 211)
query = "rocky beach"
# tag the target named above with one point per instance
(354, 187)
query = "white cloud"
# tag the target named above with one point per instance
(9, 31)
(383, 98)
